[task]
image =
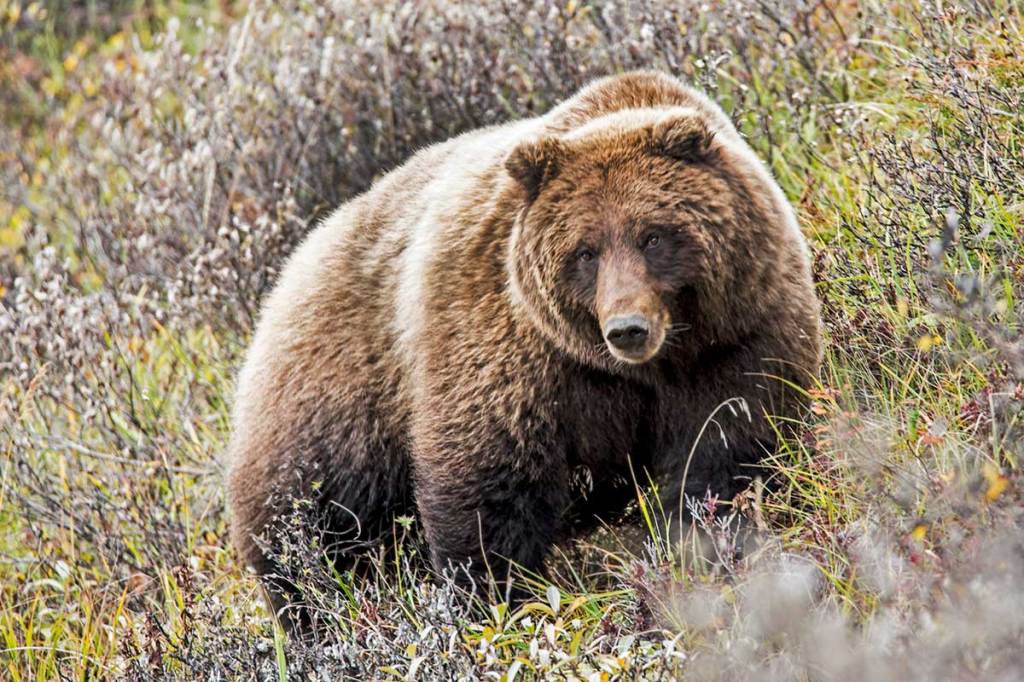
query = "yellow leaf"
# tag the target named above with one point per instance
(74, 104)
(91, 281)
(997, 483)
(996, 488)
(10, 238)
(50, 86)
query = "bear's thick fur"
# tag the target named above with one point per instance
(502, 333)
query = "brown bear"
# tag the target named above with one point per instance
(504, 333)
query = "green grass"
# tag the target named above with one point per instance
(893, 441)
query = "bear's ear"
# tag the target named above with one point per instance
(684, 138)
(534, 163)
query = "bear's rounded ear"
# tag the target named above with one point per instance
(684, 138)
(534, 163)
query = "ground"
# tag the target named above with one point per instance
(159, 159)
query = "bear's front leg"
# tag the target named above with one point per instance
(490, 493)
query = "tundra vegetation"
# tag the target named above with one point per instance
(159, 159)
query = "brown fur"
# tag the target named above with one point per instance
(438, 344)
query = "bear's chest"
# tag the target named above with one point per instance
(604, 422)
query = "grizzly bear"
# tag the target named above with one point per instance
(505, 333)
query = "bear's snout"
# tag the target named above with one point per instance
(634, 337)
(630, 313)
(627, 333)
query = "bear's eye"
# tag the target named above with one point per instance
(584, 254)
(652, 241)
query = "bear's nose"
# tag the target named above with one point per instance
(627, 332)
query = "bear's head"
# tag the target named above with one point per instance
(629, 233)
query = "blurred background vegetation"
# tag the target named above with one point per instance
(158, 160)
(42, 44)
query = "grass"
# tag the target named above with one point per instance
(892, 548)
